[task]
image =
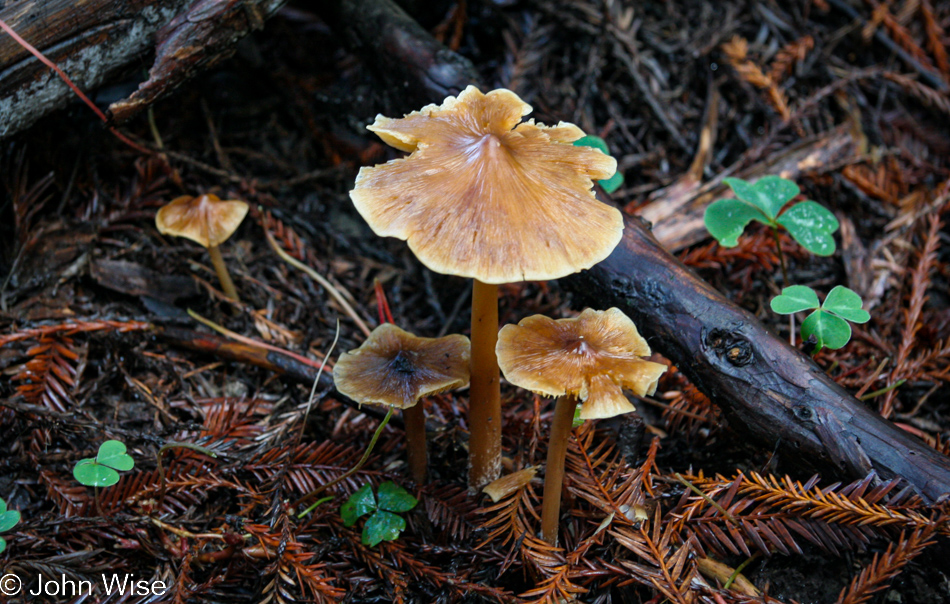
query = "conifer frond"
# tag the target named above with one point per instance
(293, 575)
(558, 571)
(663, 565)
(450, 508)
(71, 496)
(49, 377)
(508, 520)
(305, 467)
(601, 476)
(884, 567)
(768, 513)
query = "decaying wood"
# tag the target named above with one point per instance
(420, 68)
(93, 41)
(766, 388)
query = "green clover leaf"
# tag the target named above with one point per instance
(394, 498)
(3, 544)
(846, 304)
(382, 526)
(112, 454)
(8, 518)
(829, 331)
(812, 225)
(609, 184)
(726, 219)
(794, 299)
(769, 193)
(93, 474)
(808, 222)
(829, 322)
(359, 504)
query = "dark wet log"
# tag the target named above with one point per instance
(93, 41)
(766, 388)
(412, 62)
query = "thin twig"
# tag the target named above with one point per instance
(319, 279)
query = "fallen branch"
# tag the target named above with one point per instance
(92, 41)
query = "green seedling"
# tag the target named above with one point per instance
(614, 182)
(808, 222)
(103, 471)
(384, 524)
(8, 520)
(829, 321)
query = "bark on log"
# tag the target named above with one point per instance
(766, 388)
(92, 41)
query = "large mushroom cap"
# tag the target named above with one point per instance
(205, 219)
(592, 357)
(488, 196)
(394, 367)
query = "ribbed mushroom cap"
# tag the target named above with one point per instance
(485, 195)
(205, 219)
(592, 357)
(394, 367)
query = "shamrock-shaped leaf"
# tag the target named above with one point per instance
(768, 194)
(614, 182)
(812, 225)
(394, 498)
(382, 526)
(794, 299)
(846, 304)
(93, 474)
(101, 471)
(829, 322)
(8, 518)
(3, 544)
(809, 223)
(359, 504)
(829, 330)
(726, 219)
(112, 454)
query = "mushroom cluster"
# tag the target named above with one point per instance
(590, 359)
(486, 195)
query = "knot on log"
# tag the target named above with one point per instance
(735, 349)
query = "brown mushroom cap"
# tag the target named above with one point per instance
(205, 219)
(485, 195)
(592, 357)
(394, 367)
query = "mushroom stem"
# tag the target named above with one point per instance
(484, 411)
(561, 426)
(415, 420)
(223, 276)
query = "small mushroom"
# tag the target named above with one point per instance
(394, 367)
(208, 221)
(589, 359)
(488, 196)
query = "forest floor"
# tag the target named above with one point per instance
(89, 284)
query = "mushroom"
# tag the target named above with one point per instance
(487, 196)
(394, 367)
(588, 359)
(208, 221)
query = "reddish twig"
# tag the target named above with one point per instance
(62, 75)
